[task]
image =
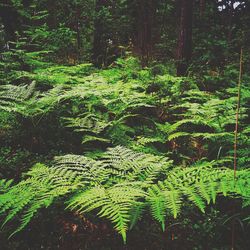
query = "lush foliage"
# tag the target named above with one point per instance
(147, 112)
(120, 186)
(101, 131)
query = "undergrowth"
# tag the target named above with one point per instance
(170, 142)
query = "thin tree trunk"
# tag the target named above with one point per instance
(52, 16)
(11, 21)
(98, 44)
(202, 7)
(184, 50)
(78, 35)
(145, 21)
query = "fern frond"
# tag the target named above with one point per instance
(157, 203)
(196, 184)
(119, 186)
(39, 190)
(5, 185)
(113, 203)
(136, 213)
(177, 135)
(135, 166)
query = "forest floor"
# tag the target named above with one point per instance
(81, 110)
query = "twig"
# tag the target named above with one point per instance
(235, 138)
(237, 114)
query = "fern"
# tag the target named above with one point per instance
(113, 203)
(199, 185)
(119, 187)
(39, 190)
(5, 185)
(12, 97)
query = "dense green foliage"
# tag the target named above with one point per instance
(120, 186)
(134, 107)
(95, 124)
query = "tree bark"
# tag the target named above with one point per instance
(202, 7)
(11, 20)
(184, 50)
(52, 23)
(99, 45)
(145, 22)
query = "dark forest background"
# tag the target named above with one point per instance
(205, 35)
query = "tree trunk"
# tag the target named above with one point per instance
(184, 50)
(99, 43)
(11, 20)
(202, 7)
(78, 35)
(145, 21)
(51, 20)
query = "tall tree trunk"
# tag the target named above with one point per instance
(78, 35)
(202, 7)
(98, 43)
(51, 21)
(184, 50)
(145, 21)
(11, 19)
(230, 21)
